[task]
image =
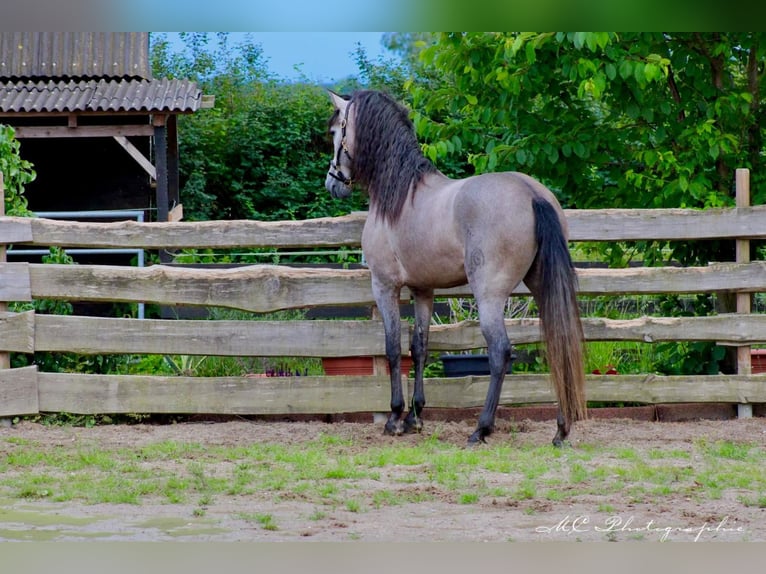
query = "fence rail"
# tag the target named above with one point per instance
(266, 288)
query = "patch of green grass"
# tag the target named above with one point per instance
(353, 505)
(527, 490)
(468, 498)
(732, 451)
(266, 521)
(318, 515)
(577, 473)
(333, 471)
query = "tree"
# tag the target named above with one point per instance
(605, 119)
(262, 152)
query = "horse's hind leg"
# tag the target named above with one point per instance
(419, 349)
(492, 324)
(562, 431)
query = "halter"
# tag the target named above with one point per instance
(335, 171)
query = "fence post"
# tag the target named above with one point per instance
(5, 358)
(744, 360)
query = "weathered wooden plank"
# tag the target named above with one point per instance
(265, 288)
(320, 232)
(258, 288)
(89, 335)
(18, 392)
(15, 282)
(726, 329)
(733, 329)
(91, 394)
(17, 332)
(653, 280)
(15, 230)
(24, 132)
(465, 392)
(670, 224)
(584, 225)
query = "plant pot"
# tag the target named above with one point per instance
(357, 365)
(465, 365)
(758, 361)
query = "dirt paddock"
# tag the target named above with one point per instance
(438, 517)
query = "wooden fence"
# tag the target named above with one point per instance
(265, 288)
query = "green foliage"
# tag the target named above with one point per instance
(262, 152)
(606, 119)
(689, 357)
(16, 171)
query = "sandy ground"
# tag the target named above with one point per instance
(441, 518)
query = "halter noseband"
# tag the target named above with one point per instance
(335, 171)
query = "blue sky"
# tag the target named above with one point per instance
(321, 57)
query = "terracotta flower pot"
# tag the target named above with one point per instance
(758, 361)
(357, 365)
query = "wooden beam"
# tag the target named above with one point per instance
(15, 230)
(344, 231)
(655, 280)
(95, 335)
(91, 394)
(267, 288)
(5, 358)
(347, 230)
(23, 132)
(174, 197)
(742, 250)
(136, 154)
(670, 224)
(15, 282)
(17, 332)
(257, 288)
(18, 392)
(161, 164)
(723, 329)
(467, 392)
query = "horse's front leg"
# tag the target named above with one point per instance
(424, 301)
(387, 300)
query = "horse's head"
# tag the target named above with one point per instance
(340, 177)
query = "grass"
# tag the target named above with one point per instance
(334, 473)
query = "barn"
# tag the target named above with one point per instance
(100, 131)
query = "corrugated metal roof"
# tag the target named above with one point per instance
(74, 55)
(124, 95)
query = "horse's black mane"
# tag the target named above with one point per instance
(387, 158)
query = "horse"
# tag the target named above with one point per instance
(426, 231)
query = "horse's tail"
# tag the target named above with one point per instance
(559, 312)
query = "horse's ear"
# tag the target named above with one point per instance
(339, 102)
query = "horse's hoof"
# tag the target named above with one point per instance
(413, 425)
(394, 429)
(477, 438)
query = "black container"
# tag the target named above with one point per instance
(465, 365)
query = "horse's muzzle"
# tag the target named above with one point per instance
(337, 189)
